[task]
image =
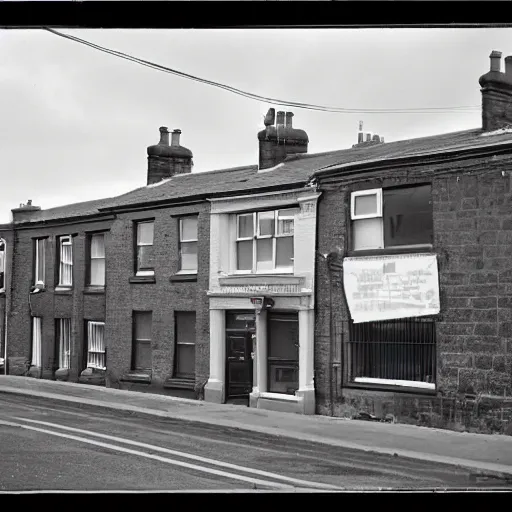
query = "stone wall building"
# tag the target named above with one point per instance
(413, 306)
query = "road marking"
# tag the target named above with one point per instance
(213, 462)
(195, 467)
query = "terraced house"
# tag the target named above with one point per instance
(414, 310)
(169, 288)
(374, 279)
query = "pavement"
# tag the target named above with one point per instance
(481, 453)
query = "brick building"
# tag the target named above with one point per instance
(6, 244)
(374, 278)
(116, 292)
(413, 304)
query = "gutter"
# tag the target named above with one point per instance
(64, 220)
(198, 198)
(353, 168)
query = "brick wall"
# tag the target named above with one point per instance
(163, 297)
(50, 304)
(472, 212)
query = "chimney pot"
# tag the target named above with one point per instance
(29, 202)
(368, 137)
(164, 136)
(495, 60)
(270, 117)
(280, 118)
(289, 116)
(508, 66)
(175, 139)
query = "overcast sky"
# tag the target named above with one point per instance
(75, 123)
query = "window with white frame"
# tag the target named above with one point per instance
(188, 244)
(264, 241)
(39, 264)
(3, 259)
(97, 260)
(145, 264)
(36, 341)
(392, 217)
(64, 341)
(66, 261)
(96, 345)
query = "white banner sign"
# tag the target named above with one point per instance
(387, 287)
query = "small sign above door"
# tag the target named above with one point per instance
(243, 318)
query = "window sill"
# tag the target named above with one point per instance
(142, 279)
(63, 290)
(94, 290)
(389, 388)
(392, 250)
(179, 383)
(136, 376)
(183, 277)
(279, 396)
(260, 279)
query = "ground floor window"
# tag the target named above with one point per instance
(37, 322)
(96, 345)
(64, 341)
(398, 352)
(185, 336)
(283, 352)
(142, 357)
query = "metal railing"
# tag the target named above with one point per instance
(403, 349)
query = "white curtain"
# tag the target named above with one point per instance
(64, 342)
(36, 341)
(98, 260)
(66, 263)
(96, 345)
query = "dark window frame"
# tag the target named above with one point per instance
(396, 249)
(135, 341)
(370, 354)
(278, 362)
(3, 267)
(176, 373)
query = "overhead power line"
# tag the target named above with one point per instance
(272, 101)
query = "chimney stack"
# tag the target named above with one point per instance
(496, 88)
(175, 138)
(280, 140)
(164, 160)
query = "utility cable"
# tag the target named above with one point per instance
(272, 101)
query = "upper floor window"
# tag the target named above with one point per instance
(65, 261)
(145, 264)
(96, 269)
(392, 217)
(264, 240)
(3, 259)
(39, 264)
(188, 244)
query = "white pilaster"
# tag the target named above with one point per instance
(215, 388)
(261, 353)
(306, 391)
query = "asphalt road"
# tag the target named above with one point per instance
(48, 446)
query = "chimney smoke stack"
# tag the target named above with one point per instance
(164, 136)
(175, 138)
(495, 60)
(508, 66)
(289, 116)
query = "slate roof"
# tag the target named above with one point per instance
(295, 171)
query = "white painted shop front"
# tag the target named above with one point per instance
(261, 299)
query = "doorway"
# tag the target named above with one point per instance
(240, 330)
